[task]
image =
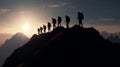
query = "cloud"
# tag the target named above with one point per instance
(107, 19)
(3, 10)
(57, 4)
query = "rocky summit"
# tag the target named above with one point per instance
(65, 46)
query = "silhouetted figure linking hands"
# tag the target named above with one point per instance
(44, 27)
(49, 26)
(54, 23)
(67, 21)
(59, 21)
(80, 18)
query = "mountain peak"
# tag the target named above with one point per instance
(62, 46)
(17, 39)
(19, 35)
(11, 44)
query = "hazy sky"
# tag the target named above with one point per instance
(104, 15)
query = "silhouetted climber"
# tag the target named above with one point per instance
(67, 21)
(41, 29)
(38, 31)
(54, 23)
(59, 21)
(49, 26)
(44, 27)
(80, 18)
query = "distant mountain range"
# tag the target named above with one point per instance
(11, 44)
(65, 46)
(113, 37)
(4, 37)
(106, 34)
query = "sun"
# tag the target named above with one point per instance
(26, 27)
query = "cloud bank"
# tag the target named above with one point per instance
(3, 10)
(107, 19)
(58, 4)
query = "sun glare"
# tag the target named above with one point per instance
(26, 27)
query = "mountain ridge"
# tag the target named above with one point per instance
(3, 37)
(11, 44)
(63, 46)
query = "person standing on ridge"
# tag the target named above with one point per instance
(67, 21)
(38, 31)
(41, 29)
(44, 27)
(49, 26)
(59, 21)
(80, 18)
(54, 23)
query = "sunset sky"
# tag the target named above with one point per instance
(27, 15)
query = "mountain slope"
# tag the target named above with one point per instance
(114, 39)
(3, 37)
(63, 46)
(11, 44)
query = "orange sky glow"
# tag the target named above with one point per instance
(17, 23)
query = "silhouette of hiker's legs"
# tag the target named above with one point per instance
(44, 30)
(41, 29)
(80, 23)
(38, 31)
(67, 25)
(44, 27)
(49, 27)
(58, 24)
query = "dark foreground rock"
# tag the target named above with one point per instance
(75, 45)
